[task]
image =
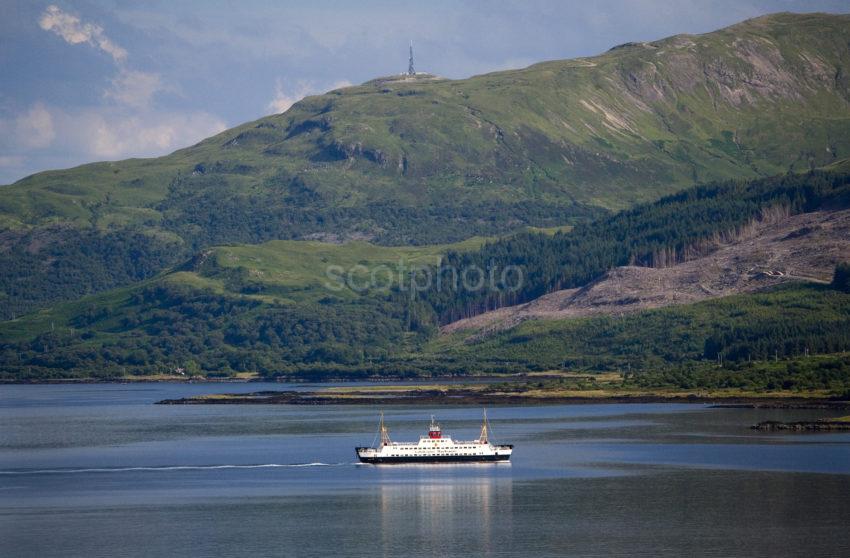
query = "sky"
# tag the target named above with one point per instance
(95, 80)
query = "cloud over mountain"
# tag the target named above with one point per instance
(129, 122)
(283, 98)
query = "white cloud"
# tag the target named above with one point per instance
(116, 133)
(134, 89)
(284, 99)
(131, 125)
(75, 32)
(49, 137)
(34, 128)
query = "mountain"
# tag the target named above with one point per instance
(421, 160)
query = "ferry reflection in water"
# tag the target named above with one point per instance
(446, 518)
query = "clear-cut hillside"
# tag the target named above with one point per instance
(400, 161)
(783, 249)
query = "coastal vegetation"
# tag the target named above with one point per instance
(746, 385)
(792, 339)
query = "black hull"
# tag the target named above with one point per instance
(436, 459)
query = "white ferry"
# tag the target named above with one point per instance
(434, 448)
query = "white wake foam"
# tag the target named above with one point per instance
(60, 471)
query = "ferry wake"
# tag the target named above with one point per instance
(435, 448)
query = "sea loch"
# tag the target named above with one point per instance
(99, 470)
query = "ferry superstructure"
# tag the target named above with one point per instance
(435, 448)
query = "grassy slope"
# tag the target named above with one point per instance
(761, 97)
(839, 166)
(287, 271)
(754, 99)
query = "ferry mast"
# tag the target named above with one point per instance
(385, 433)
(483, 437)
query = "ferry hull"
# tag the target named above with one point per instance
(434, 459)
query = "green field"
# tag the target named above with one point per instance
(300, 271)
(276, 272)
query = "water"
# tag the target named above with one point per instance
(98, 470)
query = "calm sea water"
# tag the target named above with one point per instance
(98, 470)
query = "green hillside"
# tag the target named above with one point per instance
(426, 160)
(278, 306)
(186, 320)
(317, 310)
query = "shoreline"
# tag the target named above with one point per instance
(295, 380)
(281, 380)
(479, 390)
(471, 397)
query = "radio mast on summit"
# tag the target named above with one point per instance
(410, 70)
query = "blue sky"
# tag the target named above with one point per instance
(109, 79)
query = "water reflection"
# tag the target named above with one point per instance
(437, 518)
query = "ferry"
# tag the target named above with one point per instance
(435, 448)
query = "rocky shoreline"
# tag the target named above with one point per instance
(823, 425)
